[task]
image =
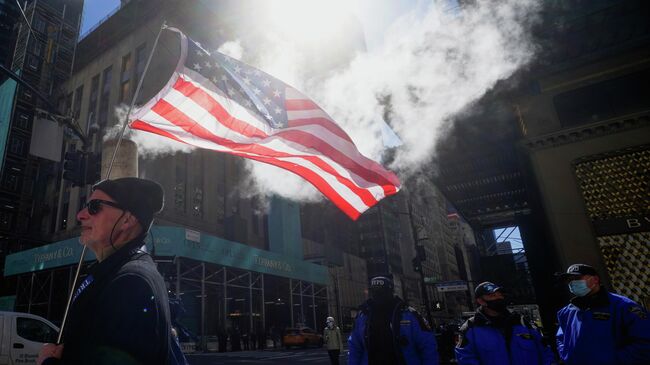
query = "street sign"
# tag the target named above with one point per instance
(449, 286)
(430, 280)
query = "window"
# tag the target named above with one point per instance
(11, 180)
(125, 78)
(102, 115)
(92, 103)
(140, 61)
(36, 48)
(6, 220)
(39, 24)
(18, 145)
(68, 104)
(125, 90)
(78, 94)
(23, 121)
(34, 330)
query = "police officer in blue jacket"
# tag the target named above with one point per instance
(495, 336)
(598, 327)
(388, 332)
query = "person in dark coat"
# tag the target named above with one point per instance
(261, 338)
(235, 340)
(389, 332)
(120, 311)
(245, 341)
(222, 337)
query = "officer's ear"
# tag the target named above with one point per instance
(480, 301)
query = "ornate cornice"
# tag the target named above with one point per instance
(589, 131)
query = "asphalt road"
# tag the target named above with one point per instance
(316, 356)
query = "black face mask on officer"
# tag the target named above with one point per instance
(381, 294)
(498, 305)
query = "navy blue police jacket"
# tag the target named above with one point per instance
(119, 313)
(414, 342)
(482, 342)
(603, 329)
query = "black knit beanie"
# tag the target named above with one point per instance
(143, 198)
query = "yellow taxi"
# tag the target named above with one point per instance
(303, 336)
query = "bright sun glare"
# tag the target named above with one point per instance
(306, 20)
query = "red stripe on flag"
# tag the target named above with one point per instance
(301, 104)
(175, 116)
(144, 126)
(317, 181)
(208, 103)
(323, 122)
(310, 141)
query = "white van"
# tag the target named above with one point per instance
(22, 335)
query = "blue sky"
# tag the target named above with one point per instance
(96, 10)
(508, 234)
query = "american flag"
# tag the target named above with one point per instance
(216, 102)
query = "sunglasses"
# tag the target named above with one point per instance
(95, 206)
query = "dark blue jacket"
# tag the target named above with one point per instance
(603, 329)
(482, 342)
(414, 341)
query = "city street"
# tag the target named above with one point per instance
(424, 178)
(293, 356)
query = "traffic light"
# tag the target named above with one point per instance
(93, 167)
(417, 264)
(74, 167)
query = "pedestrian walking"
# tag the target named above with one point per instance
(495, 336)
(120, 312)
(598, 327)
(235, 339)
(387, 331)
(333, 340)
(245, 340)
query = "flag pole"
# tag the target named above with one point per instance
(108, 174)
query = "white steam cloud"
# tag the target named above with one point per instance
(149, 145)
(432, 68)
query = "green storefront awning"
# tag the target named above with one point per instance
(181, 242)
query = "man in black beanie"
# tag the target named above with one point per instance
(120, 312)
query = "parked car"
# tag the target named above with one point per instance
(22, 335)
(303, 336)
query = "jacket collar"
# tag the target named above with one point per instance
(600, 299)
(118, 258)
(482, 319)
